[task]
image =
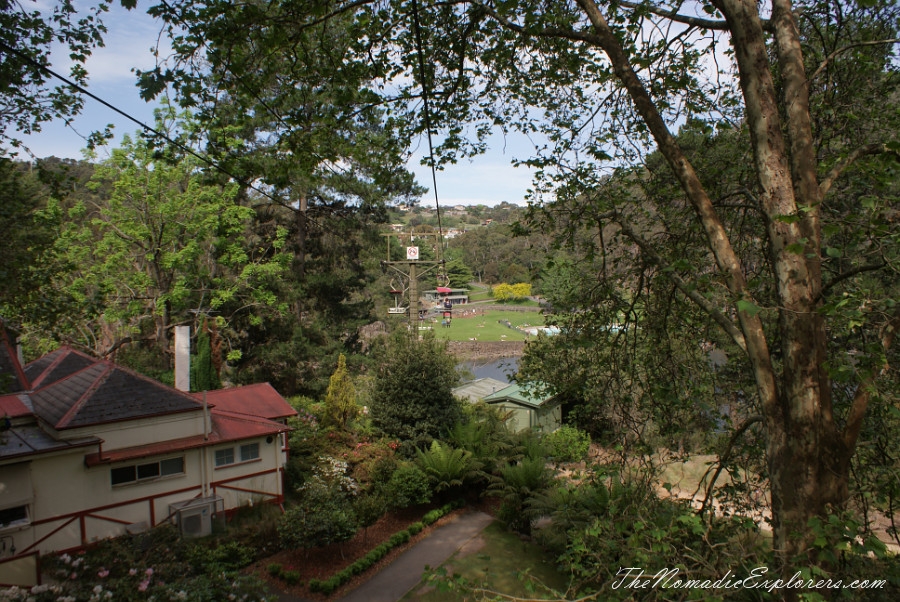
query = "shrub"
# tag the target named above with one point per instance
(408, 486)
(322, 517)
(291, 577)
(227, 557)
(567, 444)
(274, 569)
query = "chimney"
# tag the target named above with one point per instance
(183, 358)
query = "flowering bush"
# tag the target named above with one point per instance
(118, 570)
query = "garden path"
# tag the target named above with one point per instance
(393, 581)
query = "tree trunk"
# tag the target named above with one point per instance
(807, 457)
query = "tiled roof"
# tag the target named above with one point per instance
(519, 394)
(226, 426)
(103, 392)
(29, 440)
(56, 365)
(256, 400)
(14, 406)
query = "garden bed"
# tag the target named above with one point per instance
(322, 563)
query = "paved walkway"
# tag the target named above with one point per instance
(393, 581)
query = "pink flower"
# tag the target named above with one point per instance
(132, 572)
(149, 572)
(144, 585)
(73, 576)
(103, 573)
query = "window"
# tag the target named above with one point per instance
(249, 452)
(147, 471)
(10, 517)
(243, 453)
(225, 456)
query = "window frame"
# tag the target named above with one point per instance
(152, 471)
(238, 453)
(252, 449)
(16, 523)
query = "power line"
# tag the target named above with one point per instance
(427, 118)
(140, 123)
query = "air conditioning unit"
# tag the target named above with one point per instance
(195, 517)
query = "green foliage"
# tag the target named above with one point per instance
(340, 399)
(173, 569)
(516, 485)
(407, 486)
(28, 35)
(228, 557)
(447, 467)
(324, 514)
(203, 370)
(369, 507)
(319, 519)
(412, 398)
(459, 273)
(567, 444)
(484, 434)
(635, 528)
(328, 586)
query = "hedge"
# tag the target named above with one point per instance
(327, 586)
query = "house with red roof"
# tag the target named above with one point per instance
(90, 450)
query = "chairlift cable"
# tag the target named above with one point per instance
(427, 120)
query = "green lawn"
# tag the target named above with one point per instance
(487, 326)
(498, 561)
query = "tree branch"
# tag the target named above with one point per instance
(550, 32)
(864, 392)
(862, 151)
(724, 458)
(851, 273)
(844, 49)
(673, 15)
(690, 292)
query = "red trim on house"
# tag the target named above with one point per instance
(37, 562)
(81, 515)
(226, 429)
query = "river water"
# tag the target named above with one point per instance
(500, 369)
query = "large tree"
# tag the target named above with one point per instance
(611, 82)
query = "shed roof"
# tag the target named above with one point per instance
(259, 399)
(478, 389)
(525, 395)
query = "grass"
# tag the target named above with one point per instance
(488, 326)
(501, 562)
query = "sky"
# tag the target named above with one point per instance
(487, 179)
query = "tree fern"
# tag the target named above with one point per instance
(446, 466)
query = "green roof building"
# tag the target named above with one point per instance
(527, 408)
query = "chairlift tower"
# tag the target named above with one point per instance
(410, 271)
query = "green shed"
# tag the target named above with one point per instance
(527, 408)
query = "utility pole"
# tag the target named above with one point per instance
(409, 272)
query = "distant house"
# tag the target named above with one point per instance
(91, 450)
(456, 296)
(527, 409)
